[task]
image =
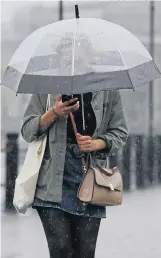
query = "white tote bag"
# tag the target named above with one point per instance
(25, 185)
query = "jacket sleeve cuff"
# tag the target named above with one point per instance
(30, 130)
(41, 129)
(104, 153)
(108, 144)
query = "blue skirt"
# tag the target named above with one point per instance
(73, 173)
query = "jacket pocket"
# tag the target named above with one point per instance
(44, 173)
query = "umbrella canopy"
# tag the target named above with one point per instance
(78, 56)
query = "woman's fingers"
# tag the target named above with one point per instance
(87, 148)
(67, 103)
(84, 143)
(75, 107)
(72, 100)
(63, 108)
(58, 99)
(83, 138)
(71, 108)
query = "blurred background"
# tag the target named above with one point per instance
(139, 161)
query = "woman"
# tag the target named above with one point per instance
(71, 227)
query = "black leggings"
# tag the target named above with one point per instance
(69, 236)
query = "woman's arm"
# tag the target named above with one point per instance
(46, 120)
(115, 136)
(36, 121)
(86, 143)
(117, 131)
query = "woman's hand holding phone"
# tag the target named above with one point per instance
(64, 108)
(69, 97)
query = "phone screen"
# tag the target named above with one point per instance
(67, 98)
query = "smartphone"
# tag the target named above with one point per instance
(67, 98)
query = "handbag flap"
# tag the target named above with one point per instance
(110, 178)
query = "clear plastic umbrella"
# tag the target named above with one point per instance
(78, 56)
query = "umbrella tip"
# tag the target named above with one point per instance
(76, 11)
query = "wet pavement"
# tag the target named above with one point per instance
(132, 230)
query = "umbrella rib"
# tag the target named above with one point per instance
(73, 55)
(73, 58)
(73, 63)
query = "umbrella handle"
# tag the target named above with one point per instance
(75, 131)
(74, 124)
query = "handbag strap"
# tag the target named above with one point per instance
(48, 105)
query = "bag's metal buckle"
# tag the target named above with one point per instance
(111, 187)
